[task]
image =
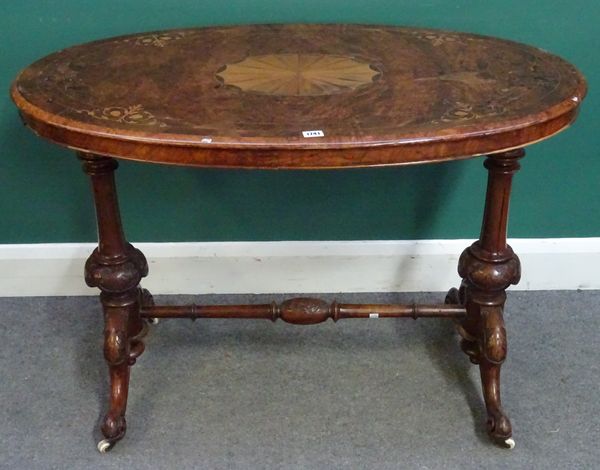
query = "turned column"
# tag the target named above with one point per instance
(488, 267)
(116, 268)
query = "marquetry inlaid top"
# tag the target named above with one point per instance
(298, 96)
(298, 74)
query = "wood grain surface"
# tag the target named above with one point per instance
(245, 96)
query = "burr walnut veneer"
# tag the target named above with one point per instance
(300, 97)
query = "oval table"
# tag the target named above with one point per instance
(300, 97)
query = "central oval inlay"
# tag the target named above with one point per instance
(298, 74)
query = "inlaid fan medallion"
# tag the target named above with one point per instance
(298, 74)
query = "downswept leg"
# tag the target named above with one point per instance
(488, 267)
(116, 268)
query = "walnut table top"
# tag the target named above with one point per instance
(298, 96)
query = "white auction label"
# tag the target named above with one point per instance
(317, 133)
(373, 315)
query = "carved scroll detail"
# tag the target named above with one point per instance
(493, 341)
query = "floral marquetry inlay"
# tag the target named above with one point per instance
(157, 40)
(298, 74)
(135, 115)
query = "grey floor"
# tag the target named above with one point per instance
(235, 394)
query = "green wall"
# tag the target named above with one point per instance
(44, 196)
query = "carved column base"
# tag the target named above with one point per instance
(122, 299)
(483, 336)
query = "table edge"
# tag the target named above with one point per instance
(301, 158)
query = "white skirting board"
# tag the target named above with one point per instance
(298, 266)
